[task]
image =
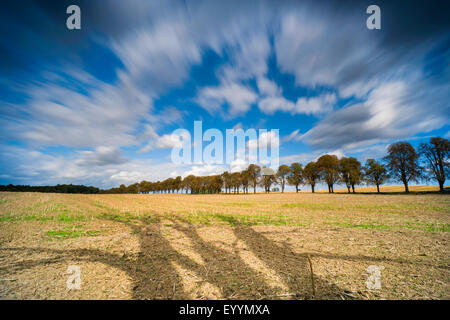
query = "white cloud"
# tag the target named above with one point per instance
(315, 105)
(62, 115)
(238, 165)
(237, 96)
(393, 110)
(249, 57)
(268, 87)
(300, 43)
(291, 136)
(166, 116)
(70, 107)
(338, 153)
(101, 156)
(205, 170)
(37, 168)
(166, 141)
(270, 105)
(160, 56)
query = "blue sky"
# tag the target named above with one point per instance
(98, 105)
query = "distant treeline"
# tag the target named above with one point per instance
(60, 188)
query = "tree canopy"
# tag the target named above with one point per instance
(329, 170)
(375, 173)
(403, 163)
(295, 178)
(435, 154)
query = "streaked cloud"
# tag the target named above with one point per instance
(138, 70)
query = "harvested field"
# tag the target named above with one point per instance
(255, 246)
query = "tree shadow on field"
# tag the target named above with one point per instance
(152, 274)
(293, 268)
(155, 270)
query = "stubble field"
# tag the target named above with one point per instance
(176, 246)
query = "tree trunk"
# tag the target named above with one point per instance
(312, 188)
(441, 186)
(296, 189)
(348, 188)
(378, 188)
(353, 188)
(406, 186)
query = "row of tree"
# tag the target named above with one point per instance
(402, 163)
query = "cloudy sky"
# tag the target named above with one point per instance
(97, 106)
